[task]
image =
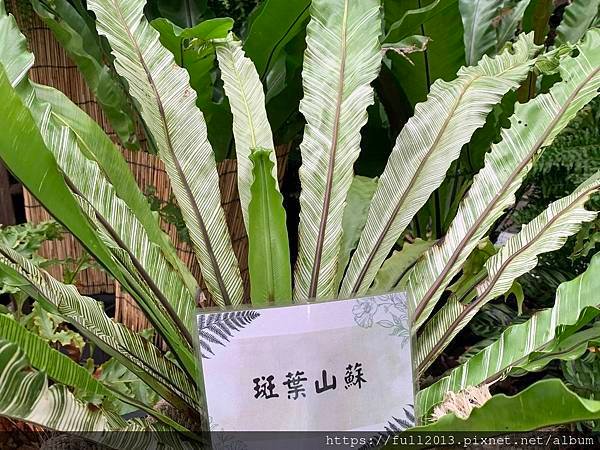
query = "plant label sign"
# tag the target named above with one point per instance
(332, 366)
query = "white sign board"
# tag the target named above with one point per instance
(340, 365)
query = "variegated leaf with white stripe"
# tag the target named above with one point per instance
(80, 164)
(251, 127)
(426, 147)
(26, 395)
(97, 146)
(58, 366)
(534, 126)
(577, 17)
(62, 369)
(94, 189)
(342, 58)
(26, 154)
(518, 342)
(168, 108)
(480, 35)
(152, 301)
(546, 233)
(88, 316)
(508, 23)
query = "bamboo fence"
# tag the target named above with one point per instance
(54, 68)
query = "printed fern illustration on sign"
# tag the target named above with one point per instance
(394, 426)
(223, 440)
(218, 328)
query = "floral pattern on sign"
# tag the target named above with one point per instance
(389, 311)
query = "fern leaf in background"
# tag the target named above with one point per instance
(355, 217)
(578, 16)
(509, 21)
(572, 157)
(479, 36)
(582, 374)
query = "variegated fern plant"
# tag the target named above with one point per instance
(80, 176)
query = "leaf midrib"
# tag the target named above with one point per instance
(312, 291)
(473, 29)
(242, 91)
(413, 181)
(492, 281)
(160, 296)
(439, 280)
(186, 186)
